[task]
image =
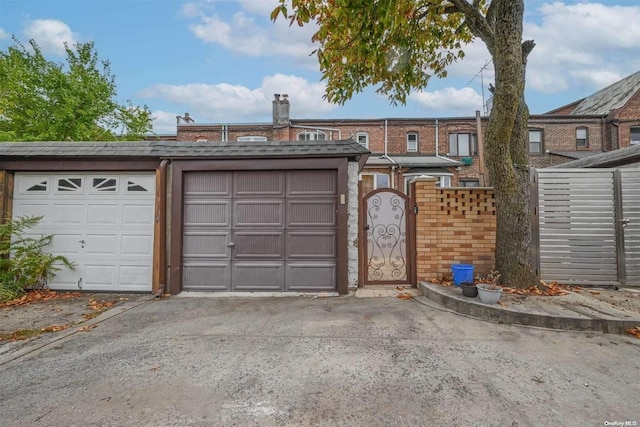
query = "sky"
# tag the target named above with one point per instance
(222, 60)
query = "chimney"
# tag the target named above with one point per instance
(280, 110)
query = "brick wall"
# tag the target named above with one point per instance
(453, 225)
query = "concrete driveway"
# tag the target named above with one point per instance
(333, 361)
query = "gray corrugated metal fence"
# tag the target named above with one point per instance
(588, 225)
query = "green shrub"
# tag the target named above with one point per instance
(24, 263)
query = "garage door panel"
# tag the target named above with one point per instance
(101, 244)
(134, 277)
(258, 276)
(65, 280)
(67, 244)
(283, 228)
(311, 213)
(310, 276)
(136, 244)
(311, 183)
(102, 222)
(208, 244)
(259, 245)
(99, 276)
(32, 209)
(217, 184)
(258, 213)
(137, 214)
(103, 214)
(213, 213)
(68, 213)
(311, 245)
(259, 184)
(206, 276)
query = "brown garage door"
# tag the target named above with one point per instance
(260, 231)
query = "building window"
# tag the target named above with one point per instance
(463, 144)
(374, 181)
(412, 141)
(469, 183)
(363, 139)
(535, 141)
(635, 135)
(312, 135)
(251, 138)
(201, 138)
(444, 179)
(582, 138)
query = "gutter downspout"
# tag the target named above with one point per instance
(162, 225)
(386, 156)
(437, 140)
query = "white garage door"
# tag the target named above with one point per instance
(101, 222)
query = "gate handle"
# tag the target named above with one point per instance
(625, 222)
(230, 244)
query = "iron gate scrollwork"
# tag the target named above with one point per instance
(386, 224)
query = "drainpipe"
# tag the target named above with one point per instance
(386, 156)
(162, 236)
(484, 181)
(437, 139)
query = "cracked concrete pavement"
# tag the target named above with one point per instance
(324, 361)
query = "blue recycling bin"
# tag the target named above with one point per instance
(462, 273)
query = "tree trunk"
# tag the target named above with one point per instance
(506, 148)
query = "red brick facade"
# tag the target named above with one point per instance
(453, 226)
(390, 137)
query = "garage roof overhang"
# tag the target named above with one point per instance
(150, 153)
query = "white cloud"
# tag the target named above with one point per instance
(50, 34)
(580, 45)
(225, 103)
(460, 102)
(3, 34)
(164, 122)
(250, 32)
(260, 7)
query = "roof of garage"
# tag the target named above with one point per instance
(609, 159)
(183, 150)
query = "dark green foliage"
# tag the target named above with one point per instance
(41, 100)
(24, 262)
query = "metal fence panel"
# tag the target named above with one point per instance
(631, 220)
(576, 225)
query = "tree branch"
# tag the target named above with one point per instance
(527, 47)
(477, 23)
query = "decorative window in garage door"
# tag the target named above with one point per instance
(104, 185)
(140, 184)
(36, 184)
(69, 185)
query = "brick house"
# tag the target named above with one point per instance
(448, 148)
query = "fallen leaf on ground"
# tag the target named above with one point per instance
(39, 295)
(20, 335)
(504, 304)
(95, 305)
(54, 328)
(399, 288)
(594, 293)
(634, 331)
(404, 295)
(88, 328)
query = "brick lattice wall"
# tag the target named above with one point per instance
(453, 225)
